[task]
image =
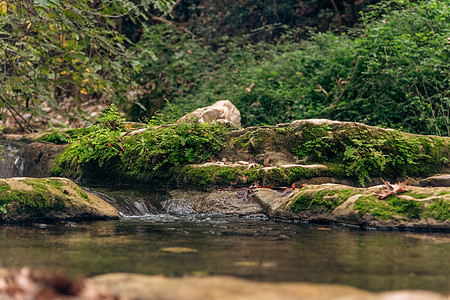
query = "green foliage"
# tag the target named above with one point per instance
(391, 73)
(366, 154)
(54, 49)
(142, 154)
(316, 140)
(103, 141)
(389, 208)
(184, 143)
(60, 137)
(170, 116)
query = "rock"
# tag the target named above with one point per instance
(24, 199)
(37, 158)
(144, 287)
(216, 202)
(419, 208)
(438, 180)
(221, 111)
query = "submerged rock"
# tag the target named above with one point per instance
(144, 287)
(24, 199)
(215, 202)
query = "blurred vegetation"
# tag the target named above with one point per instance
(383, 63)
(392, 71)
(51, 50)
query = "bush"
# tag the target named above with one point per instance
(392, 73)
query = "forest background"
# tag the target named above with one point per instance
(382, 63)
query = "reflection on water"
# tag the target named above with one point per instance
(254, 249)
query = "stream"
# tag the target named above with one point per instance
(148, 240)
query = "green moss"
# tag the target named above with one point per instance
(4, 186)
(243, 140)
(83, 195)
(315, 140)
(343, 195)
(54, 183)
(38, 199)
(252, 176)
(37, 185)
(443, 193)
(225, 176)
(417, 196)
(439, 210)
(275, 177)
(390, 207)
(199, 177)
(34, 201)
(316, 202)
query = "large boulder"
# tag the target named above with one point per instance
(221, 111)
(24, 199)
(136, 286)
(29, 284)
(37, 159)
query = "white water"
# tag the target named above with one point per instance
(11, 165)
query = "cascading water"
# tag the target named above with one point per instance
(11, 165)
(133, 202)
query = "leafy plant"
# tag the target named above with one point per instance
(53, 49)
(103, 142)
(138, 155)
(184, 143)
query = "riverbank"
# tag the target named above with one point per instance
(223, 169)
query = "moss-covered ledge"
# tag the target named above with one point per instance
(418, 208)
(304, 151)
(24, 199)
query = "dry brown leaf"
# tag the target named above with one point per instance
(249, 88)
(391, 189)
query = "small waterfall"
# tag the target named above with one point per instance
(11, 165)
(133, 202)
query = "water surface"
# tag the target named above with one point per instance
(255, 249)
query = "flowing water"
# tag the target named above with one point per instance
(255, 249)
(11, 165)
(150, 241)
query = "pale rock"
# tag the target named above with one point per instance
(222, 111)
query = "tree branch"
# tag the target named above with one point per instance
(162, 20)
(338, 15)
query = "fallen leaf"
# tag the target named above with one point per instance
(391, 189)
(249, 88)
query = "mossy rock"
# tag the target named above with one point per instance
(352, 152)
(48, 199)
(211, 175)
(419, 208)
